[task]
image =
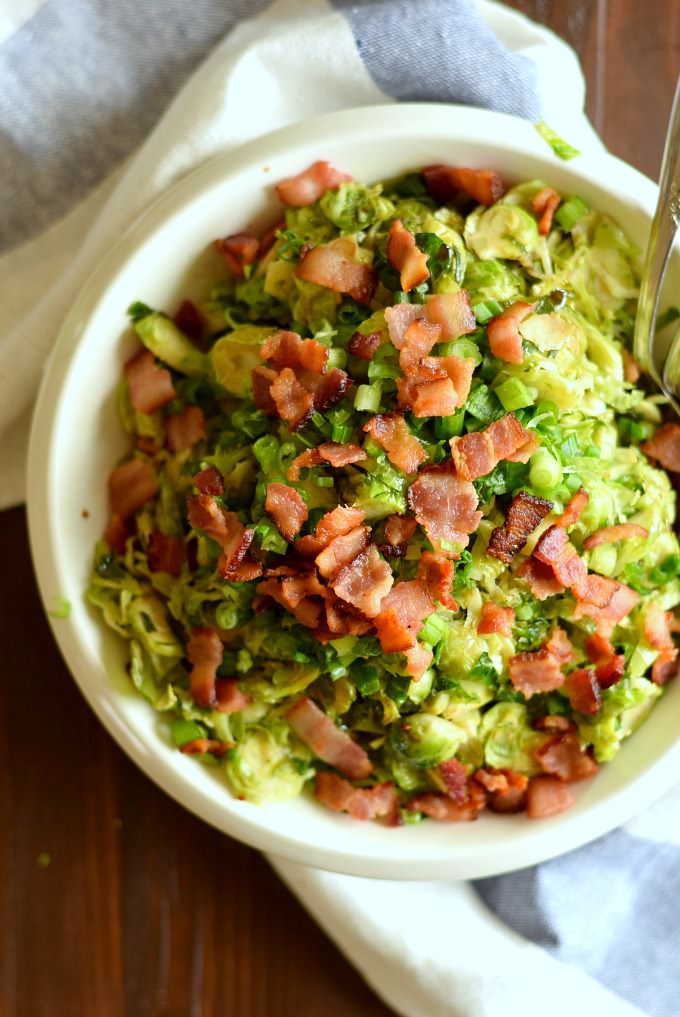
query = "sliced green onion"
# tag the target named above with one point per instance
(397, 690)
(513, 394)
(401, 298)
(603, 559)
(336, 358)
(366, 678)
(464, 348)
(378, 370)
(367, 398)
(269, 538)
(570, 212)
(487, 310)
(545, 471)
(183, 731)
(523, 612)
(570, 447)
(573, 481)
(266, 450)
(324, 481)
(449, 427)
(433, 630)
(226, 616)
(593, 452)
(561, 148)
(341, 432)
(483, 405)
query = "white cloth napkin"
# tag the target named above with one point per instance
(428, 949)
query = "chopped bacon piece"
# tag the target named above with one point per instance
(150, 386)
(583, 690)
(399, 318)
(419, 338)
(331, 452)
(563, 756)
(342, 621)
(402, 614)
(665, 447)
(418, 659)
(327, 389)
(130, 486)
(475, 454)
(327, 741)
(230, 698)
(492, 780)
(205, 652)
(209, 481)
(505, 339)
(246, 570)
(238, 250)
(147, 445)
(665, 666)
(573, 511)
(546, 796)
(335, 523)
(610, 670)
(444, 183)
(364, 346)
(262, 379)
(203, 746)
(454, 777)
(508, 802)
(190, 321)
(392, 432)
(307, 187)
(117, 532)
(294, 403)
(361, 803)
(182, 430)
(560, 646)
(364, 581)
(612, 534)
(541, 579)
(554, 548)
(165, 554)
(405, 257)
(341, 551)
(524, 514)
(495, 619)
(598, 648)
(535, 671)
(332, 266)
(438, 573)
(631, 368)
(287, 349)
(297, 594)
(222, 526)
(546, 203)
(398, 532)
(657, 628)
(550, 545)
(287, 508)
(445, 506)
(554, 723)
(439, 806)
(435, 399)
(452, 312)
(605, 600)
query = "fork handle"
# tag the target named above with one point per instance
(664, 227)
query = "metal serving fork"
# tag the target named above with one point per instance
(664, 228)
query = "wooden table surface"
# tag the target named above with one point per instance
(113, 900)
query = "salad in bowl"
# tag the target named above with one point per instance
(394, 523)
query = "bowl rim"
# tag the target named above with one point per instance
(397, 120)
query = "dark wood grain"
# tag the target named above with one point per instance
(143, 911)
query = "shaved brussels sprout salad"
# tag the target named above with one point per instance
(392, 526)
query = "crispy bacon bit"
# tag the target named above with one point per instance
(418, 659)
(435, 398)
(573, 511)
(224, 527)
(327, 741)
(560, 646)
(535, 671)
(405, 257)
(130, 486)
(503, 332)
(612, 534)
(364, 582)
(665, 666)
(335, 523)
(117, 532)
(524, 514)
(245, 571)
(361, 803)
(554, 723)
(398, 532)
(546, 796)
(541, 579)
(238, 250)
(657, 628)
(492, 780)
(452, 312)
(631, 368)
(583, 690)
(331, 265)
(546, 203)
(302, 595)
(205, 652)
(287, 349)
(190, 321)
(209, 481)
(392, 433)
(445, 506)
(454, 777)
(605, 600)
(203, 746)
(182, 430)
(150, 386)
(287, 508)
(342, 621)
(610, 670)
(402, 614)
(147, 445)
(165, 554)
(294, 403)
(399, 318)
(550, 545)
(495, 619)
(307, 187)
(327, 389)
(341, 551)
(419, 338)
(330, 452)
(438, 573)
(563, 756)
(598, 648)
(444, 183)
(440, 806)
(665, 447)
(262, 379)
(364, 346)
(230, 698)
(511, 801)
(476, 454)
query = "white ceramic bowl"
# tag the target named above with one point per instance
(76, 440)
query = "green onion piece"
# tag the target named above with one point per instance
(366, 678)
(483, 405)
(266, 450)
(573, 481)
(341, 432)
(593, 452)
(336, 358)
(486, 310)
(570, 212)
(378, 370)
(397, 690)
(183, 731)
(324, 481)
(603, 559)
(667, 570)
(561, 148)
(367, 398)
(570, 447)
(545, 471)
(524, 612)
(401, 298)
(269, 538)
(464, 348)
(227, 616)
(513, 394)
(449, 427)
(433, 630)
(641, 430)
